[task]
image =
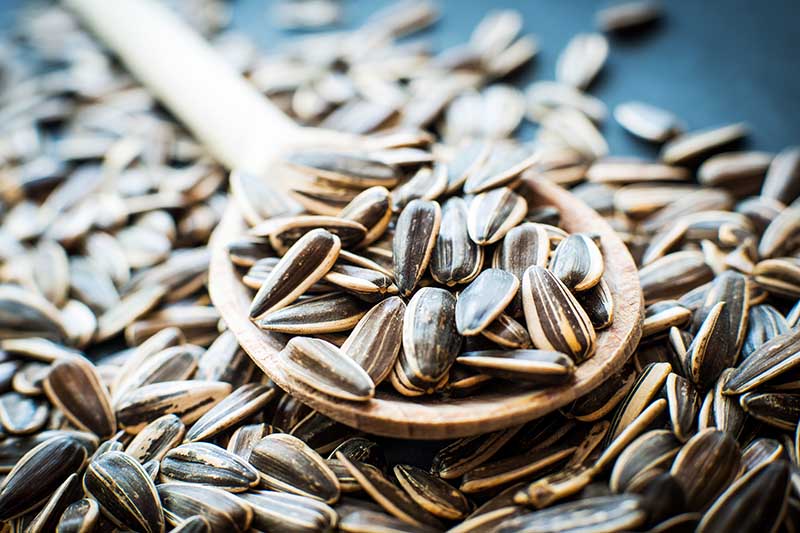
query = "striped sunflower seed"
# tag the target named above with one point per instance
(474, 311)
(47, 517)
(344, 169)
(432, 493)
(465, 454)
(231, 410)
(20, 415)
(555, 319)
(492, 214)
(386, 494)
(647, 121)
(739, 171)
(284, 232)
(508, 333)
(683, 403)
(375, 341)
(673, 275)
(222, 510)
(430, 339)
(74, 386)
(245, 438)
(208, 464)
(577, 262)
(288, 512)
(764, 323)
(189, 400)
(755, 502)
(305, 263)
(628, 16)
(324, 367)
(772, 359)
(156, 439)
(539, 367)
(327, 313)
(287, 464)
(456, 258)
(415, 235)
(596, 515)
(781, 410)
(705, 466)
(782, 181)
(38, 473)
(80, 516)
(598, 302)
(372, 209)
(171, 364)
(124, 491)
(643, 458)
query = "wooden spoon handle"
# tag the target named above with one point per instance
(237, 124)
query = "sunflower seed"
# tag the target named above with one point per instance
(782, 181)
(555, 319)
(305, 263)
(414, 238)
(463, 455)
(156, 439)
(256, 199)
(456, 258)
(222, 510)
(647, 455)
(647, 121)
(705, 466)
(124, 491)
(492, 214)
(20, 415)
(595, 515)
(345, 169)
(774, 408)
(474, 312)
(288, 512)
(673, 275)
(324, 367)
(577, 262)
(502, 167)
(126, 311)
(26, 314)
(689, 146)
(628, 16)
(392, 499)
(532, 366)
(207, 464)
(683, 403)
(430, 338)
(38, 473)
(773, 358)
(231, 410)
(328, 313)
(581, 60)
(189, 400)
(171, 364)
(81, 516)
(372, 209)
(375, 341)
(431, 493)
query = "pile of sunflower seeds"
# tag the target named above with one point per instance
(126, 405)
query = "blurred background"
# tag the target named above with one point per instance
(710, 61)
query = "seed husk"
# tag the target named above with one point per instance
(327, 313)
(649, 453)
(239, 405)
(598, 302)
(430, 339)
(582, 59)
(189, 400)
(684, 403)
(245, 438)
(128, 309)
(208, 464)
(372, 209)
(755, 502)
(326, 368)
(705, 466)
(344, 168)
(544, 96)
(456, 258)
(779, 276)
(170, 364)
(777, 409)
(375, 341)
(21, 415)
(305, 263)
(465, 454)
(124, 491)
(225, 361)
(691, 145)
(593, 515)
(628, 16)
(468, 159)
(287, 464)
(644, 390)
(538, 367)
(222, 510)
(284, 232)
(760, 452)
(492, 214)
(392, 499)
(288, 512)
(475, 310)
(555, 319)
(647, 121)
(772, 359)
(369, 285)
(673, 275)
(24, 313)
(577, 262)
(618, 170)
(739, 171)
(432, 493)
(415, 235)
(47, 517)
(503, 166)
(782, 181)
(194, 524)
(156, 439)
(519, 467)
(507, 332)
(81, 516)
(617, 444)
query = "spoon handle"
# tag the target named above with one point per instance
(237, 124)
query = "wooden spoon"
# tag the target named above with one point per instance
(243, 130)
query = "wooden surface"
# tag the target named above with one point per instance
(392, 415)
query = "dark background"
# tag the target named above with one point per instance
(709, 61)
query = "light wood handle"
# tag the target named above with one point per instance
(237, 124)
